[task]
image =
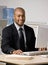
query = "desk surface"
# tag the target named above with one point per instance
(34, 60)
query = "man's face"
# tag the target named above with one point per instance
(19, 17)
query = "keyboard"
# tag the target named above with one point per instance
(35, 53)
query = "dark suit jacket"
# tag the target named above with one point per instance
(10, 39)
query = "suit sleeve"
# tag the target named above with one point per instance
(6, 41)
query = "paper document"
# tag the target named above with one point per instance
(44, 56)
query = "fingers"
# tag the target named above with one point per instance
(17, 51)
(42, 49)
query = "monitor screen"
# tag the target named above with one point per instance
(42, 37)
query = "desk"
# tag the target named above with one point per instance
(35, 60)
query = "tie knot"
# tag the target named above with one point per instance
(20, 29)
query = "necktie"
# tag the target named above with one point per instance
(21, 40)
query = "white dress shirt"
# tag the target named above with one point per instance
(17, 27)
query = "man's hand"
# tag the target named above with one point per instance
(17, 51)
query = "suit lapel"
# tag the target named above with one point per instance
(15, 33)
(16, 36)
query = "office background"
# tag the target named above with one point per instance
(36, 10)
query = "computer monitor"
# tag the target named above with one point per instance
(42, 37)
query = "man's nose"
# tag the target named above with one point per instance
(21, 17)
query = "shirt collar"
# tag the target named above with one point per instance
(17, 26)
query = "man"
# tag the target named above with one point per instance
(11, 35)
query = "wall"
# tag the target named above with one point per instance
(36, 10)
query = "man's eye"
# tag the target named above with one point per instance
(18, 16)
